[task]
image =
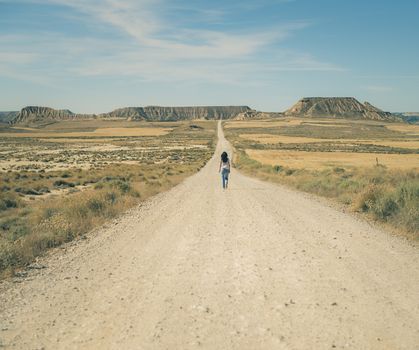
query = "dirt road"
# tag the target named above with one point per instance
(258, 266)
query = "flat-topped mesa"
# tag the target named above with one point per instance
(199, 112)
(36, 114)
(129, 113)
(158, 113)
(338, 107)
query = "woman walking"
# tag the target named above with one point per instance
(224, 169)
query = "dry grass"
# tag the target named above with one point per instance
(42, 206)
(404, 128)
(89, 152)
(23, 128)
(338, 159)
(79, 140)
(321, 160)
(325, 124)
(261, 123)
(269, 138)
(100, 132)
(387, 195)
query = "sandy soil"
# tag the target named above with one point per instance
(257, 266)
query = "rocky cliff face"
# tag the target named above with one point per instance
(32, 114)
(252, 115)
(130, 113)
(157, 113)
(338, 107)
(36, 114)
(6, 117)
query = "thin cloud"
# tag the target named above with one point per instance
(148, 47)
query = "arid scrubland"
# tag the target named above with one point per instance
(370, 167)
(61, 180)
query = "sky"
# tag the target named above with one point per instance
(92, 56)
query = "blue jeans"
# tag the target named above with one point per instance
(224, 177)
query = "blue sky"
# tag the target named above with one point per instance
(92, 56)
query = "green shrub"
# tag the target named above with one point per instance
(98, 186)
(278, 168)
(63, 184)
(123, 186)
(8, 256)
(95, 205)
(111, 197)
(8, 203)
(13, 227)
(384, 206)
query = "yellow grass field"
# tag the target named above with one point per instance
(79, 140)
(272, 139)
(325, 124)
(319, 160)
(261, 123)
(405, 128)
(100, 132)
(289, 121)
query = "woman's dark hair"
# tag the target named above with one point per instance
(224, 157)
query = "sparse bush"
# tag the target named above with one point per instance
(123, 186)
(385, 195)
(98, 186)
(43, 189)
(8, 203)
(111, 197)
(95, 205)
(63, 184)
(384, 206)
(13, 227)
(9, 257)
(278, 168)
(39, 225)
